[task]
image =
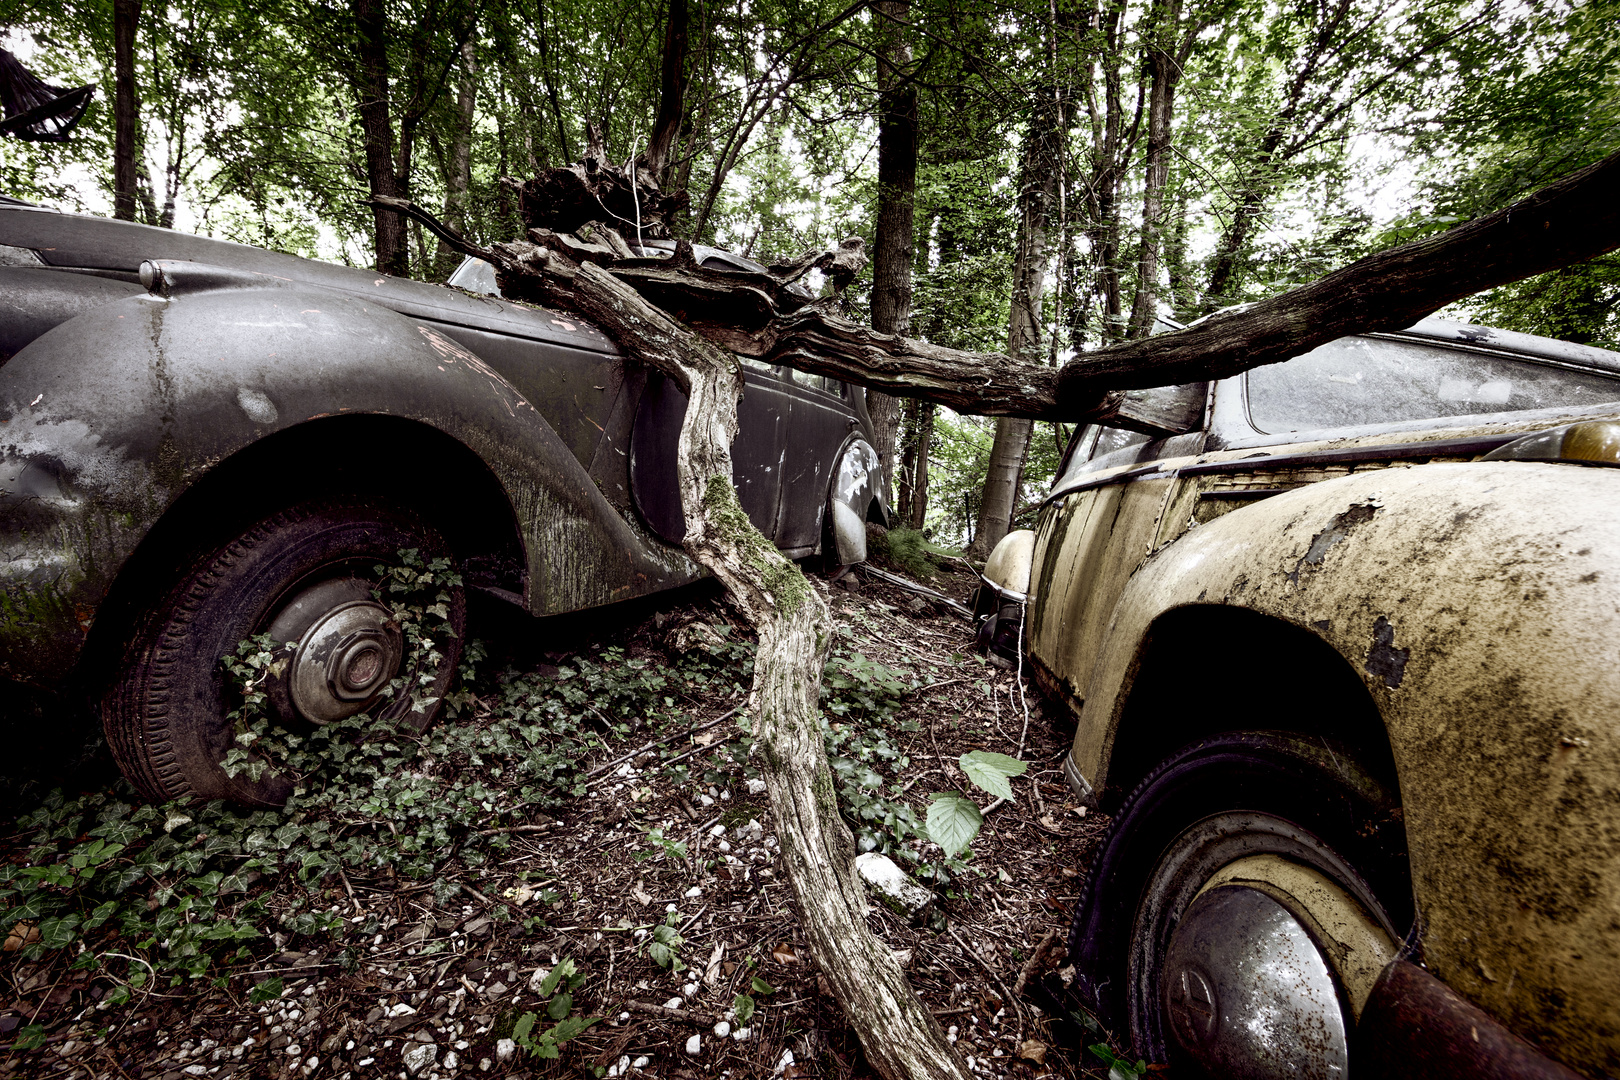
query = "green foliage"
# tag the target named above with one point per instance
(559, 987)
(664, 943)
(953, 821)
(990, 771)
(186, 888)
(1119, 1068)
(906, 550)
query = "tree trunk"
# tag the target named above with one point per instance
(371, 101)
(672, 95)
(458, 170)
(913, 483)
(126, 109)
(1165, 67)
(893, 244)
(1038, 176)
(902, 1039)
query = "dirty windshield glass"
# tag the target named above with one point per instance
(1356, 380)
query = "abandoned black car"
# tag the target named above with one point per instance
(201, 441)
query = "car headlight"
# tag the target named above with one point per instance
(1593, 442)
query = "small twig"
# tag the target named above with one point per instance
(690, 1015)
(600, 769)
(1012, 1002)
(514, 829)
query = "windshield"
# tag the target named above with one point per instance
(1357, 380)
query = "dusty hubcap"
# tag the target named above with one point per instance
(347, 648)
(1248, 994)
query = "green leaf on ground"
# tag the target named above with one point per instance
(953, 822)
(990, 771)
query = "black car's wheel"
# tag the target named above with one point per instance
(304, 575)
(1249, 893)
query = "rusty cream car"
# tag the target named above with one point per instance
(1344, 650)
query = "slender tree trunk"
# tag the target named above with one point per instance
(543, 48)
(458, 170)
(913, 480)
(896, 218)
(1165, 66)
(371, 101)
(126, 109)
(1038, 182)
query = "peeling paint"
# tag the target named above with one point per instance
(1336, 532)
(1384, 660)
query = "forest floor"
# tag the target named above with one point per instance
(653, 895)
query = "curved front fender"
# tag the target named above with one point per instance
(106, 419)
(1479, 603)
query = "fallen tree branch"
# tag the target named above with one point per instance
(765, 315)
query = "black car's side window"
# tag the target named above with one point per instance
(817, 382)
(1359, 380)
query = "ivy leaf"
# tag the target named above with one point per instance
(743, 1005)
(953, 822)
(991, 770)
(265, 991)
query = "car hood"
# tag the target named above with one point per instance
(82, 242)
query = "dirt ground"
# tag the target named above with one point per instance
(434, 990)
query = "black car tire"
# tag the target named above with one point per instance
(1209, 804)
(165, 716)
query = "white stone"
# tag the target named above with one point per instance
(756, 787)
(641, 1062)
(784, 1061)
(452, 1061)
(722, 1029)
(718, 830)
(742, 1033)
(401, 1009)
(674, 1003)
(294, 1050)
(694, 1045)
(891, 887)
(505, 1049)
(705, 800)
(538, 979)
(694, 892)
(419, 1057)
(690, 990)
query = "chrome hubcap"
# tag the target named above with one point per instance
(1248, 993)
(347, 649)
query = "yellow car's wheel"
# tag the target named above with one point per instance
(1249, 893)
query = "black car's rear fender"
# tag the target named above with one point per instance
(110, 417)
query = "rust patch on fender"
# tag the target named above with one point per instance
(1338, 529)
(1384, 660)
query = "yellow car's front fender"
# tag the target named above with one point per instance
(1480, 605)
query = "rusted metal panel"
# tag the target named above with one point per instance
(94, 453)
(1477, 603)
(1417, 1027)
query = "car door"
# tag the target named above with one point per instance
(756, 453)
(817, 430)
(1099, 526)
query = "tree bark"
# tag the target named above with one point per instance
(1038, 182)
(1166, 58)
(894, 241)
(671, 95)
(913, 483)
(902, 1039)
(458, 170)
(370, 81)
(126, 110)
